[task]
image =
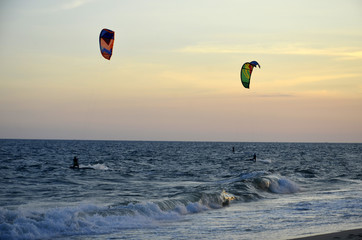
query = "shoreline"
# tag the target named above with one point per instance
(353, 234)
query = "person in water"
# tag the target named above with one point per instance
(254, 157)
(75, 162)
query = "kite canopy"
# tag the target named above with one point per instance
(245, 73)
(106, 40)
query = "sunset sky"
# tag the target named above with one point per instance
(175, 70)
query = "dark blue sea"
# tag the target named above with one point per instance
(177, 190)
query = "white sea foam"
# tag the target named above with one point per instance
(97, 166)
(283, 186)
(87, 219)
(264, 161)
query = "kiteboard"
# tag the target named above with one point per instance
(80, 168)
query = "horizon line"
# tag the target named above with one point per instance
(207, 141)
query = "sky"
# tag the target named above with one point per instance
(175, 70)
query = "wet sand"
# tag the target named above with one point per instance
(355, 234)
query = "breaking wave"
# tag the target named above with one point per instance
(90, 219)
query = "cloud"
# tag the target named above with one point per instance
(291, 49)
(52, 7)
(275, 95)
(73, 4)
(307, 79)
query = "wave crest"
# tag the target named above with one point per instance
(277, 184)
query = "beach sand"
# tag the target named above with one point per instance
(355, 234)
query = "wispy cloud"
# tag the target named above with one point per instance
(308, 79)
(51, 7)
(292, 49)
(279, 95)
(73, 4)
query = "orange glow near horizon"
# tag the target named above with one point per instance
(176, 79)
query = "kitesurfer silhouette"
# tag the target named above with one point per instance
(75, 162)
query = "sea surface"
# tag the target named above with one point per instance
(177, 190)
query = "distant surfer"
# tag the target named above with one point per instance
(233, 149)
(75, 162)
(254, 158)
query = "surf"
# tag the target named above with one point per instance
(276, 184)
(91, 219)
(97, 166)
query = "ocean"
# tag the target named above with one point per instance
(177, 190)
